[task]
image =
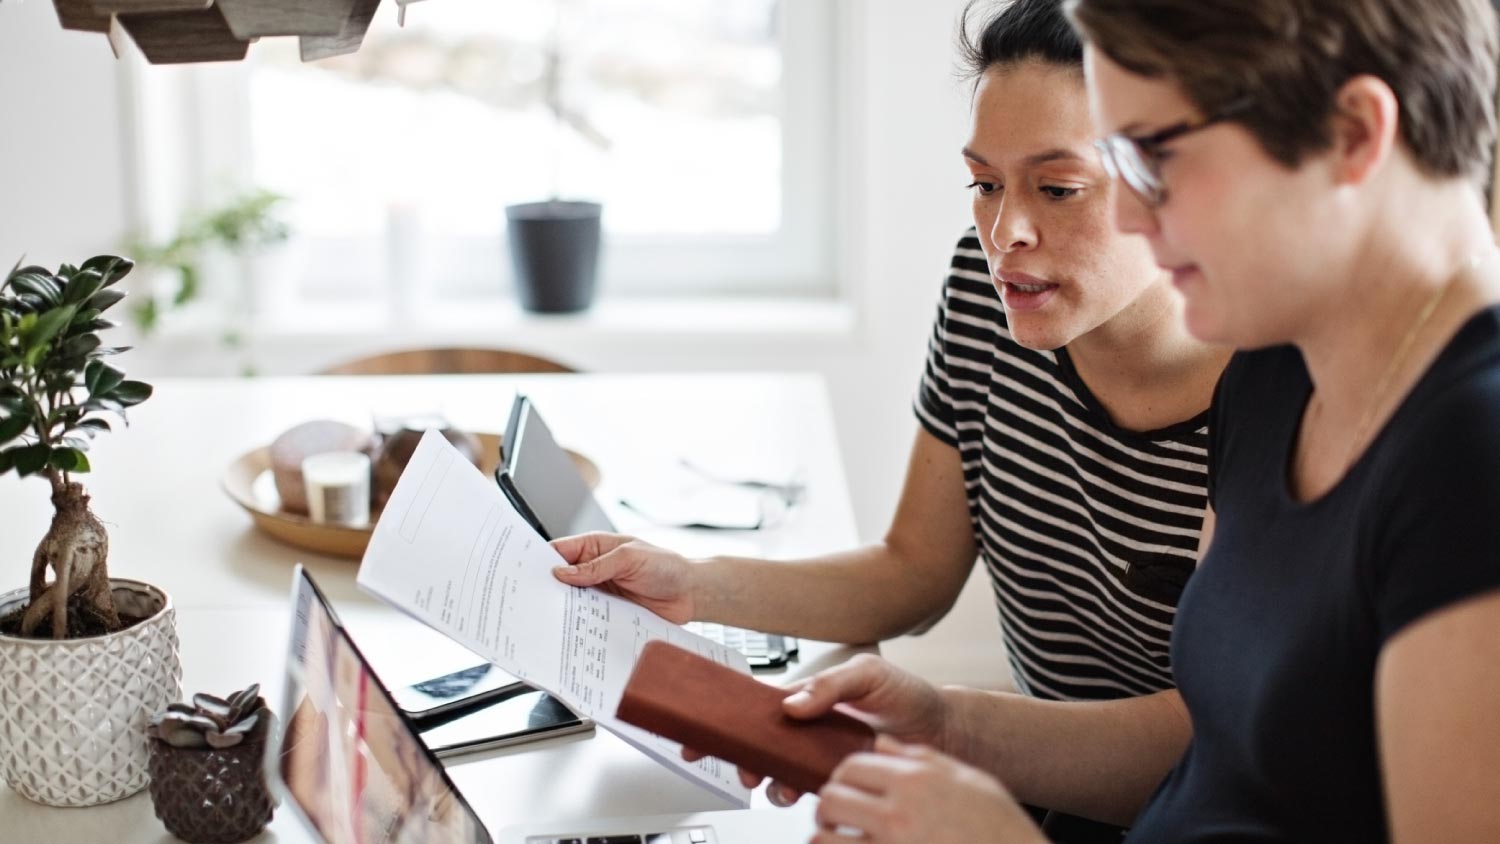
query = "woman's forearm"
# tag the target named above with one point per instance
(1099, 760)
(864, 595)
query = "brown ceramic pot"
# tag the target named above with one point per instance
(212, 795)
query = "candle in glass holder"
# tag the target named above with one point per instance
(338, 487)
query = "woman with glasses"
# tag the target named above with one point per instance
(1063, 413)
(1310, 174)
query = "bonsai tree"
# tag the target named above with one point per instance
(55, 394)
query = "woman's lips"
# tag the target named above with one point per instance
(1183, 276)
(1021, 292)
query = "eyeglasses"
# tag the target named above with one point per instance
(1136, 160)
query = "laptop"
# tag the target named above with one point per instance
(545, 487)
(351, 767)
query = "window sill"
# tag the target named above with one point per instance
(461, 322)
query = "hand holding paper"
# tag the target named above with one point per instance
(451, 551)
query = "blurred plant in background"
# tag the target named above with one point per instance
(246, 225)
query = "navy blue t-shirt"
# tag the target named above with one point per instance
(1279, 630)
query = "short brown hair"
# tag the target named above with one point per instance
(1291, 57)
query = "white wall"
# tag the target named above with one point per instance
(62, 186)
(65, 194)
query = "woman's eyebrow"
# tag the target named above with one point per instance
(1055, 154)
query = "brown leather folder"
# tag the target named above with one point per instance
(719, 711)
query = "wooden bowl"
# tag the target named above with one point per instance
(248, 481)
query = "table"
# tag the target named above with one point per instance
(155, 485)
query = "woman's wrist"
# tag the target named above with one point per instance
(953, 732)
(703, 583)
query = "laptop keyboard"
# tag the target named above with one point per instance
(760, 649)
(687, 835)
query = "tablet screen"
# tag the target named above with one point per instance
(547, 479)
(347, 761)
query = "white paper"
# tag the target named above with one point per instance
(451, 551)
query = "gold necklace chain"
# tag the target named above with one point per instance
(1399, 358)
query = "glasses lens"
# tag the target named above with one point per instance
(1124, 160)
(1137, 170)
(1107, 157)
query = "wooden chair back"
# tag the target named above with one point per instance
(447, 361)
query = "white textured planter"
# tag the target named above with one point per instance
(73, 712)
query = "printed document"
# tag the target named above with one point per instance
(451, 551)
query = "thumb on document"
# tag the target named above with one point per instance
(582, 574)
(586, 547)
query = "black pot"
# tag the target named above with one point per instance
(554, 248)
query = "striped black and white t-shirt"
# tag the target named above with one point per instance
(1088, 530)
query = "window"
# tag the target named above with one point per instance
(704, 127)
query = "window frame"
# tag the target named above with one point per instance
(190, 129)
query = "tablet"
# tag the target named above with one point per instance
(542, 482)
(546, 488)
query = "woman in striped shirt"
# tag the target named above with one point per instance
(1063, 422)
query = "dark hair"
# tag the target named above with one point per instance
(1018, 31)
(1292, 57)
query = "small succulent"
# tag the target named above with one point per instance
(211, 721)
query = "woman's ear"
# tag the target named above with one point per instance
(1364, 128)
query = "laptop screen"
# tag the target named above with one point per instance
(347, 761)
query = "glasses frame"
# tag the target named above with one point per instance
(1136, 159)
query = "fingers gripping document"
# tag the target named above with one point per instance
(452, 552)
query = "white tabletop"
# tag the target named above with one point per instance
(155, 485)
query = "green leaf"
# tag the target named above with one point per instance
(31, 459)
(32, 268)
(83, 285)
(94, 425)
(103, 404)
(67, 416)
(105, 299)
(100, 378)
(69, 460)
(79, 346)
(147, 315)
(101, 325)
(47, 326)
(111, 350)
(110, 267)
(131, 393)
(7, 460)
(187, 289)
(13, 426)
(37, 284)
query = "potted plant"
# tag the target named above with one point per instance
(208, 780)
(554, 245)
(84, 659)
